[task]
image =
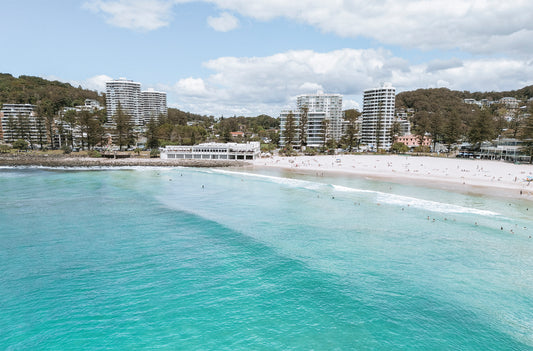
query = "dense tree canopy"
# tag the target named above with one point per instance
(32, 90)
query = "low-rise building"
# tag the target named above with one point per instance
(19, 121)
(213, 151)
(237, 134)
(413, 141)
(508, 149)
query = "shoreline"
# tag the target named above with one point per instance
(483, 177)
(66, 161)
(460, 175)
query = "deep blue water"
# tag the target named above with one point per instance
(213, 259)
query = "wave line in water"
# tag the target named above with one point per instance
(433, 206)
(299, 183)
(391, 199)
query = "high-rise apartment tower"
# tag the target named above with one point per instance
(324, 115)
(127, 94)
(154, 104)
(378, 117)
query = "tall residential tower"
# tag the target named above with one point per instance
(378, 116)
(154, 104)
(127, 94)
(324, 115)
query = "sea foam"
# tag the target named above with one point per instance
(382, 197)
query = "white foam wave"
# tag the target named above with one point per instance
(351, 190)
(381, 197)
(428, 205)
(278, 180)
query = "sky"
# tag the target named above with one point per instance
(249, 57)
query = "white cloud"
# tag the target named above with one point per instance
(468, 25)
(309, 87)
(224, 23)
(143, 15)
(96, 83)
(192, 87)
(254, 85)
(477, 26)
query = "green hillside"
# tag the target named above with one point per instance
(32, 90)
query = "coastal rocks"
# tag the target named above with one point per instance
(70, 161)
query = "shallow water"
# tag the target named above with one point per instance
(218, 259)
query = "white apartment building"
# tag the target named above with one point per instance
(378, 116)
(19, 121)
(154, 104)
(127, 94)
(213, 151)
(320, 107)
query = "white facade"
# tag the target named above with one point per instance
(509, 102)
(127, 93)
(378, 116)
(213, 151)
(154, 104)
(320, 107)
(19, 121)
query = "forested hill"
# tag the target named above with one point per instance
(33, 90)
(523, 94)
(435, 100)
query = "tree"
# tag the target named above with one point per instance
(46, 110)
(399, 148)
(515, 123)
(421, 125)
(152, 142)
(501, 122)
(12, 127)
(290, 130)
(41, 129)
(436, 122)
(352, 128)
(526, 134)
(24, 128)
(95, 132)
(302, 127)
(124, 127)
(483, 128)
(452, 130)
(274, 136)
(20, 144)
(69, 122)
(84, 120)
(395, 131)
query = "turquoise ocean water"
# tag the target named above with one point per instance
(204, 259)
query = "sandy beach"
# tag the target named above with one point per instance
(465, 175)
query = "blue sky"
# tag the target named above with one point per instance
(246, 57)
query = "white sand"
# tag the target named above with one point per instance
(482, 176)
